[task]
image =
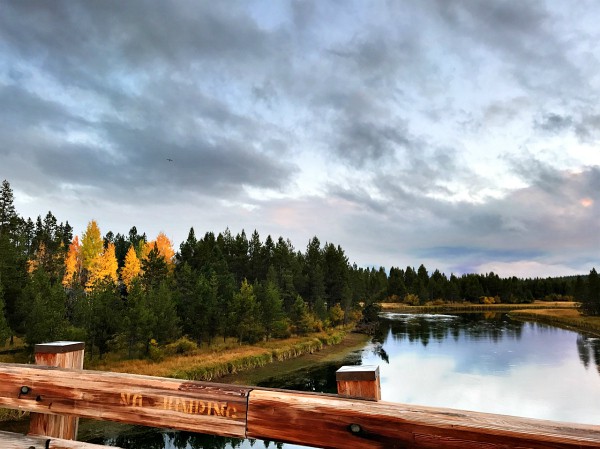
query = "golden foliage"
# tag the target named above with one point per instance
(103, 267)
(164, 246)
(132, 267)
(50, 261)
(73, 263)
(38, 258)
(92, 244)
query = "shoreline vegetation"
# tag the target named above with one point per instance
(218, 360)
(563, 314)
(570, 319)
(459, 307)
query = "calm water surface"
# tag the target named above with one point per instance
(477, 362)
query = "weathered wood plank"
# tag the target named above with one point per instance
(341, 423)
(10, 440)
(325, 421)
(362, 382)
(150, 401)
(62, 354)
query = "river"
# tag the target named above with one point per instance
(484, 362)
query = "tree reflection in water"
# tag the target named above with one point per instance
(494, 326)
(589, 350)
(162, 439)
(427, 327)
(423, 331)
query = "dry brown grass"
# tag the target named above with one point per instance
(567, 318)
(465, 307)
(211, 362)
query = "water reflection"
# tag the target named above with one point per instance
(589, 351)
(489, 363)
(476, 362)
(162, 439)
(319, 379)
(431, 327)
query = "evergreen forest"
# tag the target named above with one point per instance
(129, 293)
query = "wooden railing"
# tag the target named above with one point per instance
(317, 420)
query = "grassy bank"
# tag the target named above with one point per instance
(564, 318)
(329, 354)
(216, 361)
(468, 307)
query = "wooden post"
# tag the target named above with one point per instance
(61, 354)
(359, 382)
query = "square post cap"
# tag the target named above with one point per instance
(357, 373)
(59, 347)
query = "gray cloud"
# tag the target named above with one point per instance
(588, 128)
(554, 123)
(408, 104)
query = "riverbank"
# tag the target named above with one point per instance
(214, 362)
(571, 319)
(468, 307)
(329, 354)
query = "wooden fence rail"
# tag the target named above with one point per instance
(10, 440)
(317, 420)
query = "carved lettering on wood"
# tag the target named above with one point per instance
(183, 405)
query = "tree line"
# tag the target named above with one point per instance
(126, 292)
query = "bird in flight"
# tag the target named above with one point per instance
(169, 159)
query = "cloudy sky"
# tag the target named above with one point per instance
(464, 135)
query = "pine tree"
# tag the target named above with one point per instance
(245, 317)
(46, 305)
(100, 314)
(271, 307)
(5, 331)
(154, 268)
(13, 271)
(138, 320)
(162, 305)
(591, 300)
(8, 214)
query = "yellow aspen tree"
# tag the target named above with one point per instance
(132, 267)
(92, 244)
(103, 268)
(164, 246)
(72, 263)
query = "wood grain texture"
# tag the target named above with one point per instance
(62, 355)
(327, 422)
(10, 440)
(362, 382)
(144, 400)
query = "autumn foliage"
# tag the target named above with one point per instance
(73, 264)
(132, 267)
(93, 262)
(164, 247)
(103, 268)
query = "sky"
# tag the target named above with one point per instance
(461, 135)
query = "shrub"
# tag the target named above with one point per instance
(411, 299)
(181, 346)
(155, 353)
